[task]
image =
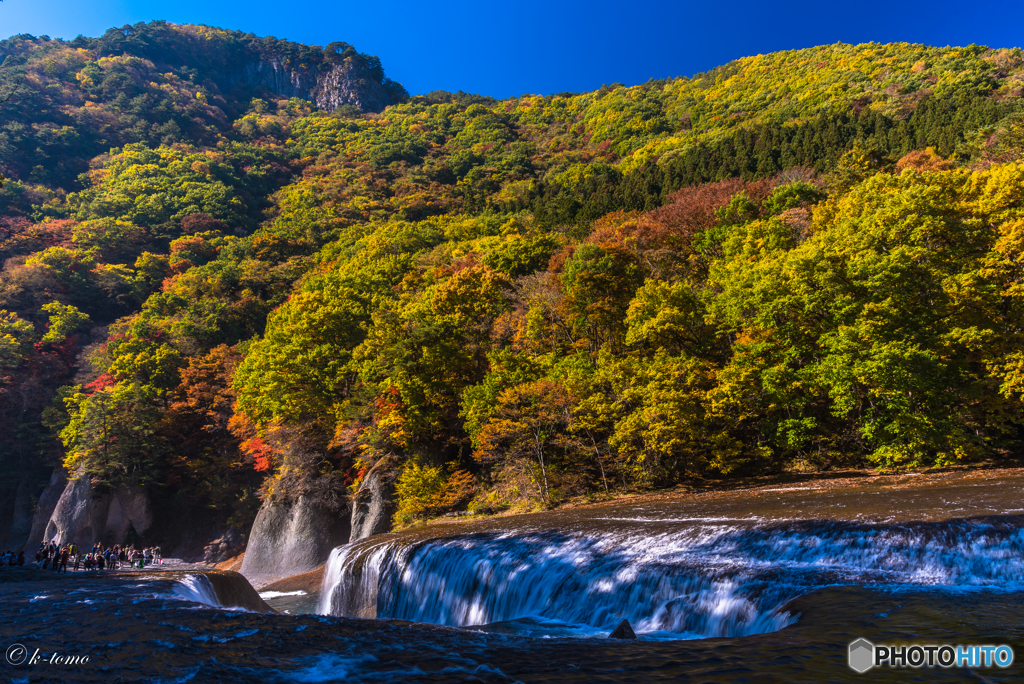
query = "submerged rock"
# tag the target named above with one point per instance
(234, 591)
(292, 538)
(373, 506)
(623, 631)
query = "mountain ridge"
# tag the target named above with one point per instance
(218, 293)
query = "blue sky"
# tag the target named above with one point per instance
(537, 46)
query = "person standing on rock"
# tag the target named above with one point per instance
(63, 561)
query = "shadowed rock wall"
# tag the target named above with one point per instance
(292, 538)
(84, 516)
(373, 507)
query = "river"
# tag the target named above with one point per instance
(764, 585)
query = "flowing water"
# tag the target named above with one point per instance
(765, 585)
(679, 570)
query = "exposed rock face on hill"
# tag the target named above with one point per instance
(374, 506)
(85, 516)
(328, 86)
(289, 539)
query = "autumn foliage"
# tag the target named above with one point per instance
(802, 260)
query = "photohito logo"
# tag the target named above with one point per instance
(864, 655)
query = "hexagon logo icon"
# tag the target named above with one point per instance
(862, 655)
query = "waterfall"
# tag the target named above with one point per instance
(228, 590)
(198, 589)
(689, 578)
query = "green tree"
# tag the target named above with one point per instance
(64, 321)
(112, 437)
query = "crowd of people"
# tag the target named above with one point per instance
(13, 559)
(58, 556)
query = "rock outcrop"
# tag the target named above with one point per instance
(350, 84)
(330, 77)
(328, 86)
(229, 544)
(292, 538)
(44, 507)
(623, 631)
(84, 516)
(129, 508)
(373, 506)
(47, 501)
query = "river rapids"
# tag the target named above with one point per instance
(765, 585)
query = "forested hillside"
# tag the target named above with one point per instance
(222, 291)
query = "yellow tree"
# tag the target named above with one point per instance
(530, 427)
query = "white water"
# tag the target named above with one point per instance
(701, 579)
(198, 589)
(265, 595)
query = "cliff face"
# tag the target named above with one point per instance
(328, 85)
(349, 83)
(290, 539)
(48, 500)
(373, 506)
(84, 516)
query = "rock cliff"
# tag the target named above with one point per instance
(292, 538)
(44, 507)
(327, 85)
(84, 516)
(373, 506)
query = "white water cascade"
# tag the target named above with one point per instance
(198, 589)
(693, 578)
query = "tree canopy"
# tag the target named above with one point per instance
(807, 259)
